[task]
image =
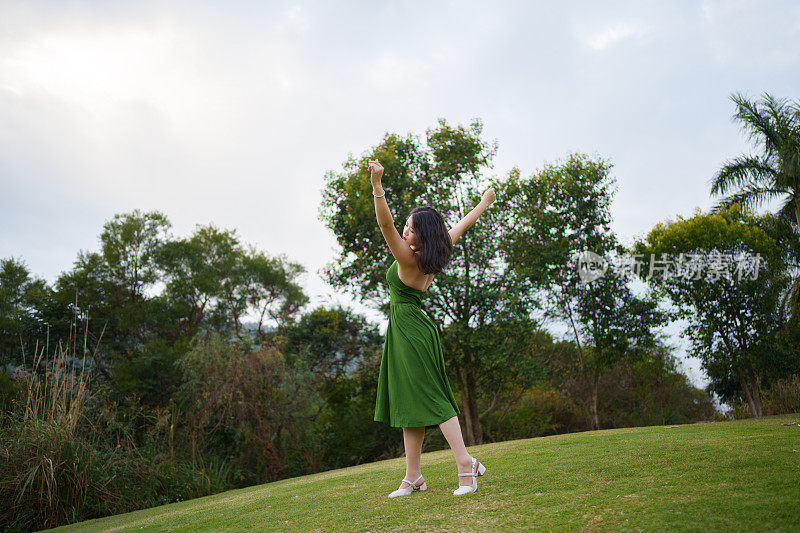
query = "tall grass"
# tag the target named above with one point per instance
(45, 472)
(69, 453)
(783, 397)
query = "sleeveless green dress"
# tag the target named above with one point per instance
(413, 389)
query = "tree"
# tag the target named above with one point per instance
(445, 172)
(210, 283)
(774, 125)
(331, 343)
(109, 289)
(215, 282)
(726, 276)
(21, 322)
(558, 214)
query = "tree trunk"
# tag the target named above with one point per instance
(473, 433)
(593, 400)
(469, 434)
(797, 211)
(755, 389)
(750, 403)
(477, 430)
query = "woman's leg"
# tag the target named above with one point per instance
(452, 432)
(412, 438)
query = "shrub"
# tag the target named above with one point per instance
(783, 397)
(68, 452)
(249, 406)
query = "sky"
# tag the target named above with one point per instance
(230, 113)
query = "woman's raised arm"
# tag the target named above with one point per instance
(400, 250)
(382, 212)
(470, 218)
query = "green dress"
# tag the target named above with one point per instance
(413, 389)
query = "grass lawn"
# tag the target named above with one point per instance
(734, 476)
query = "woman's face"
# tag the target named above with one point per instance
(409, 235)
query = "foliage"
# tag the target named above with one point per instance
(242, 405)
(558, 214)
(67, 455)
(147, 295)
(735, 310)
(773, 124)
(342, 351)
(21, 318)
(783, 397)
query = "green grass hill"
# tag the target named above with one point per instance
(742, 475)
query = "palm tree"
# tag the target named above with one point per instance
(774, 125)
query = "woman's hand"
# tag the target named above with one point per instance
(376, 171)
(488, 196)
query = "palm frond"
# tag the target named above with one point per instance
(750, 196)
(741, 172)
(757, 122)
(794, 109)
(781, 115)
(787, 211)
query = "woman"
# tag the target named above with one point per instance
(413, 390)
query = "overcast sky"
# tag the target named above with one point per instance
(231, 112)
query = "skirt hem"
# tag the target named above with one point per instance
(415, 424)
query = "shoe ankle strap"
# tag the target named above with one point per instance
(474, 464)
(413, 483)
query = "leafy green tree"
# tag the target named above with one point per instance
(731, 288)
(111, 291)
(749, 180)
(331, 342)
(447, 172)
(213, 282)
(558, 214)
(271, 290)
(21, 322)
(130, 243)
(146, 294)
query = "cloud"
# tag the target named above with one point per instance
(392, 71)
(606, 38)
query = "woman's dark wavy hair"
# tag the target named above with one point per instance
(433, 240)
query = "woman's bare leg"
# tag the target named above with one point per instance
(412, 438)
(451, 430)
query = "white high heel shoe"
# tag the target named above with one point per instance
(466, 489)
(408, 490)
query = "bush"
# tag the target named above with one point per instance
(538, 412)
(68, 453)
(783, 397)
(248, 406)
